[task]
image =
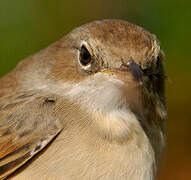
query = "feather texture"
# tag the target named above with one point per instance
(24, 131)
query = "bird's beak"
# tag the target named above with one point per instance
(126, 72)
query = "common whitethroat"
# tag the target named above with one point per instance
(90, 106)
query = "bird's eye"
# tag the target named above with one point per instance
(85, 57)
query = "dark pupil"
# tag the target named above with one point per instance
(85, 57)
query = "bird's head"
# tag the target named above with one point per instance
(109, 67)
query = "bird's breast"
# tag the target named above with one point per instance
(88, 154)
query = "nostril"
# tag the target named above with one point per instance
(124, 66)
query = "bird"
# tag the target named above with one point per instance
(89, 106)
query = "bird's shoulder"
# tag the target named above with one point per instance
(28, 122)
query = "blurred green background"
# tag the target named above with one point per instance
(26, 26)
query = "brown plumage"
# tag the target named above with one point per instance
(93, 101)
